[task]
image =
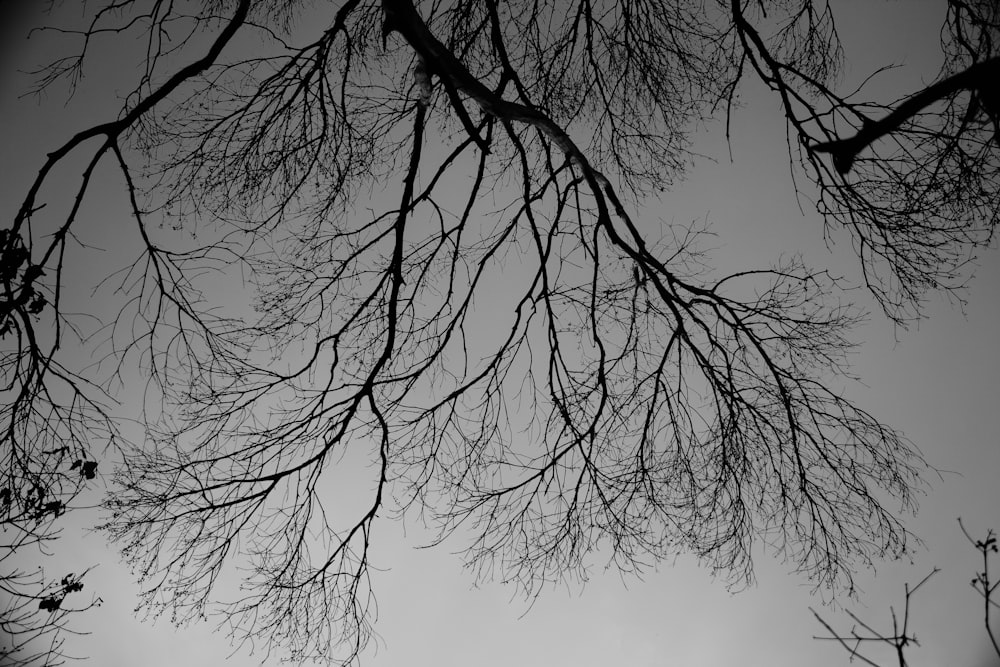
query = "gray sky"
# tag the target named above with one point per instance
(937, 384)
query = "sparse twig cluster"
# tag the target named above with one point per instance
(863, 635)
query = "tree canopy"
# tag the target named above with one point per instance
(438, 208)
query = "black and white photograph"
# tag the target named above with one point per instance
(584, 333)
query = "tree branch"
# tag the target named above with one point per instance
(979, 77)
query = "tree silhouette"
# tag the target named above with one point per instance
(896, 644)
(375, 170)
(48, 418)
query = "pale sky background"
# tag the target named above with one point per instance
(937, 384)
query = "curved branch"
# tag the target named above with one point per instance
(981, 76)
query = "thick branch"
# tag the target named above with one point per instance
(402, 17)
(111, 130)
(981, 76)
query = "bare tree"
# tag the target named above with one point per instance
(375, 170)
(36, 615)
(915, 181)
(49, 419)
(863, 636)
(982, 583)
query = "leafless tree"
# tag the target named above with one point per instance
(863, 636)
(915, 181)
(375, 170)
(49, 419)
(982, 583)
(36, 614)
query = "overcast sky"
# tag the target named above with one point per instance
(937, 383)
